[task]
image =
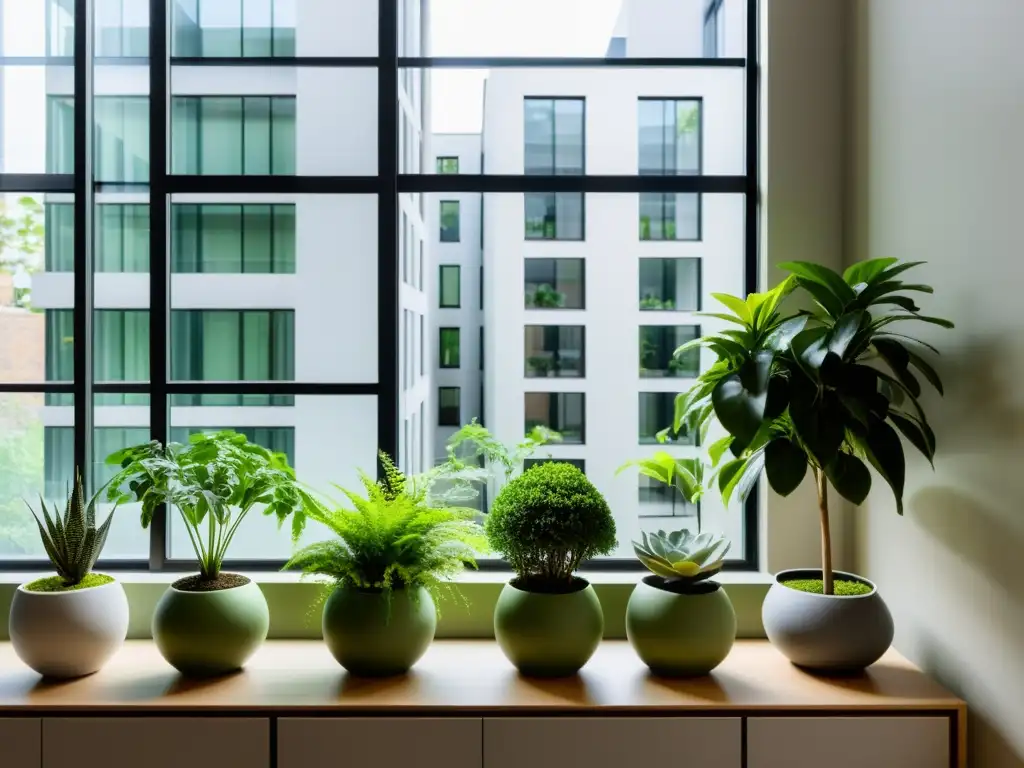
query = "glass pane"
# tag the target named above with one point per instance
(121, 352)
(283, 135)
(29, 456)
(220, 239)
(449, 348)
(122, 238)
(115, 429)
(450, 286)
(555, 351)
(258, 27)
(657, 412)
(449, 406)
(59, 226)
(670, 284)
(257, 145)
(658, 345)
(554, 283)
(300, 431)
(220, 29)
(220, 135)
(564, 412)
(449, 221)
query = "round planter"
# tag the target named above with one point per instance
(826, 632)
(548, 635)
(68, 634)
(375, 635)
(677, 633)
(210, 633)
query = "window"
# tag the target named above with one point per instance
(120, 138)
(121, 28)
(449, 347)
(233, 28)
(233, 239)
(658, 345)
(60, 135)
(449, 407)
(122, 238)
(580, 464)
(659, 500)
(232, 345)
(233, 135)
(451, 286)
(59, 231)
(714, 30)
(449, 221)
(554, 351)
(561, 411)
(447, 165)
(554, 136)
(554, 284)
(657, 413)
(670, 284)
(669, 133)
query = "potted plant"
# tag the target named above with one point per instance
(829, 391)
(393, 553)
(69, 624)
(545, 523)
(210, 622)
(678, 621)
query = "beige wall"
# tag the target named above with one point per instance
(936, 166)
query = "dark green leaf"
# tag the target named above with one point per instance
(914, 433)
(739, 400)
(818, 419)
(729, 471)
(832, 306)
(899, 269)
(941, 322)
(822, 276)
(843, 332)
(866, 271)
(809, 348)
(849, 477)
(898, 358)
(780, 338)
(885, 452)
(904, 302)
(785, 464)
(778, 398)
(929, 373)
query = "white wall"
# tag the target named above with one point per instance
(937, 162)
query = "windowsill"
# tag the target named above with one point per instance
(752, 578)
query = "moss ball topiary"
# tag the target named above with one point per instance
(546, 522)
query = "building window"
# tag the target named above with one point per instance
(232, 345)
(449, 347)
(714, 29)
(669, 133)
(233, 239)
(451, 286)
(447, 165)
(233, 135)
(564, 412)
(658, 345)
(554, 139)
(580, 464)
(449, 407)
(449, 221)
(659, 500)
(554, 351)
(554, 284)
(121, 28)
(233, 28)
(657, 412)
(59, 237)
(120, 138)
(670, 284)
(121, 232)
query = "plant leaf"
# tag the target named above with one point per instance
(785, 465)
(739, 400)
(915, 434)
(823, 276)
(849, 477)
(867, 271)
(885, 452)
(926, 369)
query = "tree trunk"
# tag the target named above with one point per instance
(826, 536)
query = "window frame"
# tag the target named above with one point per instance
(441, 332)
(75, 180)
(441, 268)
(458, 221)
(558, 262)
(457, 421)
(699, 236)
(442, 160)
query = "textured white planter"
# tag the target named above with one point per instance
(68, 634)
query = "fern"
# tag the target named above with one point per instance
(389, 538)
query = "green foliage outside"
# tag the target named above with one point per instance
(389, 537)
(21, 240)
(21, 475)
(651, 302)
(545, 297)
(547, 522)
(829, 389)
(214, 482)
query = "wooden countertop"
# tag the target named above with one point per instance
(470, 676)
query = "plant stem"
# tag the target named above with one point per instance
(826, 536)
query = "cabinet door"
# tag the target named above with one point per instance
(612, 742)
(20, 742)
(381, 742)
(156, 742)
(848, 742)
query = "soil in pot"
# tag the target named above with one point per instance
(840, 587)
(56, 583)
(205, 627)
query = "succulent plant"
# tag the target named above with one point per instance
(72, 541)
(681, 555)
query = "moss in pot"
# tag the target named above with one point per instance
(211, 622)
(394, 551)
(546, 523)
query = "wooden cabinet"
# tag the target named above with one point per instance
(848, 742)
(612, 742)
(20, 742)
(156, 742)
(383, 742)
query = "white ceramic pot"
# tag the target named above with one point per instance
(68, 634)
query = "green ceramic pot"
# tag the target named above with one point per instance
(372, 634)
(210, 633)
(680, 633)
(548, 635)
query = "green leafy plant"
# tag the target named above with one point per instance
(828, 389)
(681, 557)
(389, 538)
(72, 541)
(650, 302)
(546, 522)
(214, 482)
(545, 297)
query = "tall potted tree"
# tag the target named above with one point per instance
(827, 390)
(210, 622)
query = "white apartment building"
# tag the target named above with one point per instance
(586, 297)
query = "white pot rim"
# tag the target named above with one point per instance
(84, 590)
